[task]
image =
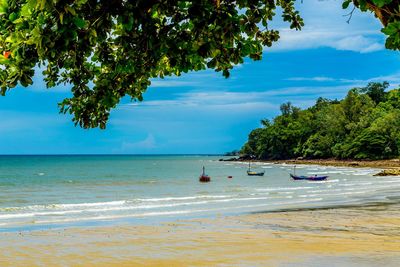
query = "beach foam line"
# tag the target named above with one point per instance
(323, 182)
(182, 198)
(166, 213)
(374, 188)
(109, 203)
(291, 205)
(126, 208)
(282, 188)
(335, 194)
(376, 184)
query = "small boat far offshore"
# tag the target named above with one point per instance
(309, 178)
(253, 173)
(204, 178)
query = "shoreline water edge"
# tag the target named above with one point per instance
(364, 236)
(390, 166)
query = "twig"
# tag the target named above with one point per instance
(350, 15)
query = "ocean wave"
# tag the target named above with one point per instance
(182, 198)
(168, 213)
(282, 188)
(126, 208)
(110, 203)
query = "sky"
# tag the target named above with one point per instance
(204, 113)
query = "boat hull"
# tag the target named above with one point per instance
(249, 173)
(309, 178)
(204, 179)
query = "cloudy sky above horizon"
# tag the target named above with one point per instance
(203, 112)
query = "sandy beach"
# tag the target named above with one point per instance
(363, 236)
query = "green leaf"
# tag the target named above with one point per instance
(391, 28)
(381, 3)
(70, 10)
(3, 60)
(13, 16)
(155, 14)
(346, 4)
(79, 22)
(3, 7)
(28, 8)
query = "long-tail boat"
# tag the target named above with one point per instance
(309, 178)
(204, 178)
(253, 173)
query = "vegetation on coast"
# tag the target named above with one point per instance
(364, 125)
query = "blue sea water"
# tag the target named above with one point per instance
(47, 191)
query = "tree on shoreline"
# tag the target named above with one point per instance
(357, 127)
(110, 49)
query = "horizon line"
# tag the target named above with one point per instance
(104, 154)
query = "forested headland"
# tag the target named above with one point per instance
(364, 125)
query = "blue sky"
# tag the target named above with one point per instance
(203, 112)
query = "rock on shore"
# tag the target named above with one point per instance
(389, 172)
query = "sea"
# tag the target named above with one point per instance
(42, 192)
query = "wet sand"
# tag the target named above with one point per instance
(362, 236)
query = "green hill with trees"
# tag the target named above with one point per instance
(364, 125)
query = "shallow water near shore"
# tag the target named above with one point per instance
(38, 192)
(362, 236)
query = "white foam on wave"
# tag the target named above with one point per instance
(282, 188)
(167, 213)
(323, 182)
(181, 198)
(109, 203)
(126, 208)
(335, 194)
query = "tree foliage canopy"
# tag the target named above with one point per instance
(109, 49)
(364, 125)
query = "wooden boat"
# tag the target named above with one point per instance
(309, 178)
(204, 178)
(253, 173)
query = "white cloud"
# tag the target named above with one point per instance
(171, 83)
(250, 101)
(358, 43)
(314, 79)
(325, 26)
(212, 100)
(393, 79)
(148, 143)
(363, 42)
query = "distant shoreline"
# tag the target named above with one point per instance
(382, 164)
(379, 164)
(108, 155)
